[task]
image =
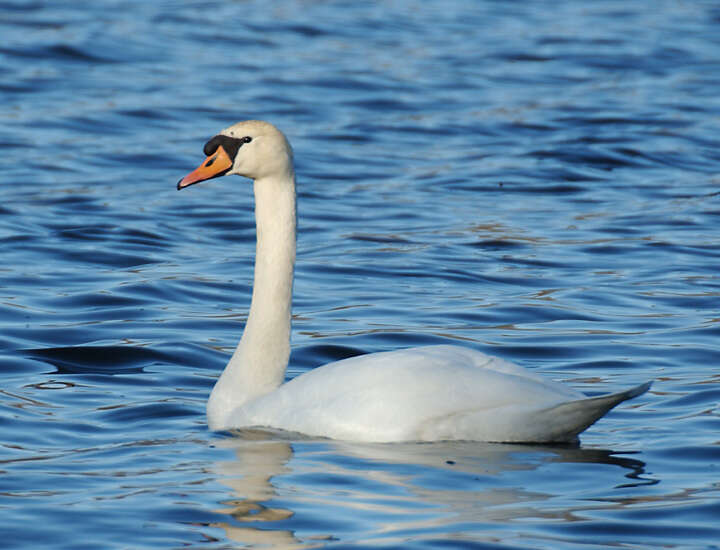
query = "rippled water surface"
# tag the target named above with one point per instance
(538, 181)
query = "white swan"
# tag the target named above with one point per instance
(420, 394)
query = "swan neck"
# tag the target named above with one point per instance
(268, 324)
(260, 359)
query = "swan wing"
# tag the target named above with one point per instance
(426, 393)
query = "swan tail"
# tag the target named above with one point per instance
(565, 421)
(516, 424)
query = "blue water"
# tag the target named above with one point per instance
(536, 180)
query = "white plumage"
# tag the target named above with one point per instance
(420, 394)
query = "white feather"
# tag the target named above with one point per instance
(420, 394)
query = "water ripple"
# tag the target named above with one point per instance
(538, 184)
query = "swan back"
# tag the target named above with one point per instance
(423, 393)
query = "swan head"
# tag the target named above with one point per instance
(253, 149)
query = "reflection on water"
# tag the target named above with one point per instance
(250, 479)
(399, 488)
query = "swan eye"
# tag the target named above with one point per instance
(230, 144)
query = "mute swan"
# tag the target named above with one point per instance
(426, 393)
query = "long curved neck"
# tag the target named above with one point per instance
(260, 359)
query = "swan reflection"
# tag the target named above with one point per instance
(301, 492)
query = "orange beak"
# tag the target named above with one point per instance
(215, 165)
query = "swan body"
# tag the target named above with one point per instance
(426, 393)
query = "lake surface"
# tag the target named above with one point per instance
(539, 181)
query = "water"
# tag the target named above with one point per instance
(539, 182)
